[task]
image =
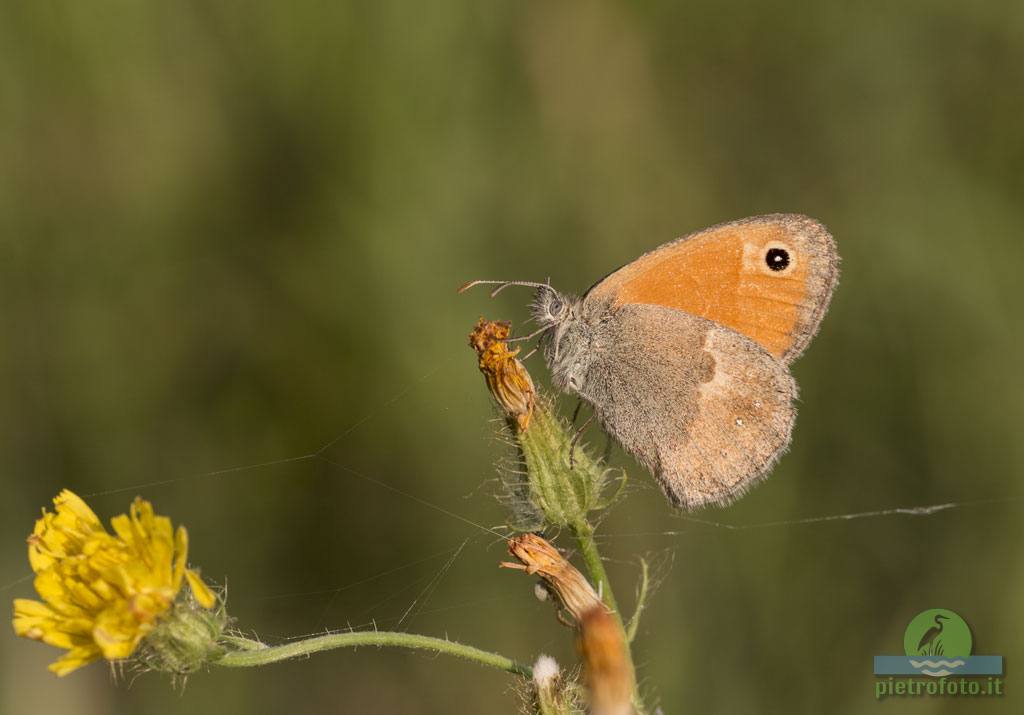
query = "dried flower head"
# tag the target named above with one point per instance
(103, 593)
(602, 642)
(506, 377)
(539, 557)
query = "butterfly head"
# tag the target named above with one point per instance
(553, 312)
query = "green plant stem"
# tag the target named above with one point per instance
(253, 653)
(584, 534)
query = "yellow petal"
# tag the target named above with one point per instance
(74, 659)
(116, 633)
(50, 586)
(160, 530)
(58, 631)
(39, 556)
(142, 517)
(103, 589)
(105, 555)
(83, 596)
(52, 634)
(38, 621)
(28, 608)
(160, 543)
(181, 548)
(68, 500)
(31, 618)
(123, 528)
(202, 592)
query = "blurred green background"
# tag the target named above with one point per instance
(232, 232)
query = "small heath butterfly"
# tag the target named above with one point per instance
(684, 353)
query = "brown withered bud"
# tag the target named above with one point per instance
(571, 588)
(608, 672)
(506, 377)
(602, 644)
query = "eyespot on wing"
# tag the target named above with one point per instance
(767, 277)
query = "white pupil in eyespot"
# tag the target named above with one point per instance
(777, 258)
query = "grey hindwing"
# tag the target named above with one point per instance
(705, 409)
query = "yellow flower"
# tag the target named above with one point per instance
(102, 593)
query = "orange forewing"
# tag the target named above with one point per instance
(720, 274)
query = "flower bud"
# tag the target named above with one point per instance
(184, 641)
(606, 667)
(601, 641)
(506, 377)
(552, 698)
(538, 556)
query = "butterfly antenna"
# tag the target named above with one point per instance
(502, 285)
(531, 336)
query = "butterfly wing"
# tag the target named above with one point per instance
(705, 409)
(769, 278)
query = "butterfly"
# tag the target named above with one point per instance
(684, 353)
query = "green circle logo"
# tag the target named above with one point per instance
(938, 632)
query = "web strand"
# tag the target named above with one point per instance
(380, 408)
(16, 582)
(414, 498)
(369, 579)
(427, 592)
(926, 510)
(216, 473)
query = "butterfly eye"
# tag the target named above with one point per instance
(777, 259)
(555, 306)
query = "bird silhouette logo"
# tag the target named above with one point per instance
(937, 643)
(931, 641)
(938, 632)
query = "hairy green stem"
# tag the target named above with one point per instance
(253, 653)
(584, 534)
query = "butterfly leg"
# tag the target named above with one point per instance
(576, 438)
(531, 336)
(576, 412)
